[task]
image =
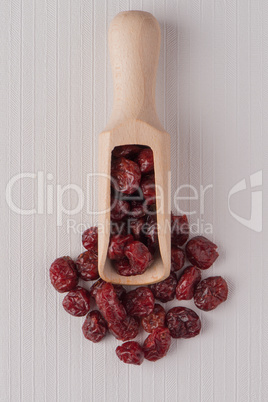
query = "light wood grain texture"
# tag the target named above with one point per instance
(134, 42)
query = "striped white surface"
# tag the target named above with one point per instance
(56, 95)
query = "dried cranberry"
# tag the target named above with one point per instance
(126, 175)
(137, 209)
(183, 322)
(117, 246)
(119, 209)
(201, 252)
(139, 302)
(118, 228)
(145, 160)
(124, 268)
(210, 292)
(177, 259)
(126, 150)
(130, 352)
(151, 233)
(63, 274)
(87, 266)
(109, 304)
(157, 344)
(155, 319)
(179, 230)
(90, 238)
(136, 226)
(77, 302)
(191, 276)
(165, 290)
(148, 188)
(139, 257)
(94, 327)
(126, 329)
(119, 289)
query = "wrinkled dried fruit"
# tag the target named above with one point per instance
(126, 150)
(117, 246)
(137, 209)
(126, 329)
(87, 266)
(90, 238)
(118, 228)
(155, 319)
(177, 259)
(165, 290)
(77, 302)
(151, 233)
(148, 188)
(94, 327)
(191, 276)
(210, 292)
(124, 268)
(126, 175)
(119, 209)
(139, 257)
(130, 352)
(179, 230)
(109, 304)
(183, 322)
(139, 302)
(145, 160)
(119, 289)
(136, 226)
(201, 252)
(157, 344)
(63, 274)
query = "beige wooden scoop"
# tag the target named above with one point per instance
(134, 43)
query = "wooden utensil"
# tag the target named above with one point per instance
(134, 44)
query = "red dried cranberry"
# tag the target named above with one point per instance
(130, 352)
(94, 327)
(137, 209)
(119, 289)
(109, 304)
(139, 257)
(136, 226)
(145, 160)
(191, 276)
(151, 233)
(201, 252)
(124, 268)
(177, 259)
(126, 175)
(90, 238)
(165, 290)
(157, 344)
(183, 322)
(126, 329)
(148, 188)
(63, 274)
(126, 150)
(119, 209)
(77, 302)
(210, 292)
(179, 230)
(139, 302)
(117, 246)
(155, 319)
(118, 228)
(87, 266)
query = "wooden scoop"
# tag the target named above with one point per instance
(134, 43)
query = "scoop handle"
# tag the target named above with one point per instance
(134, 44)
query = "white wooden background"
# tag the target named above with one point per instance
(56, 95)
